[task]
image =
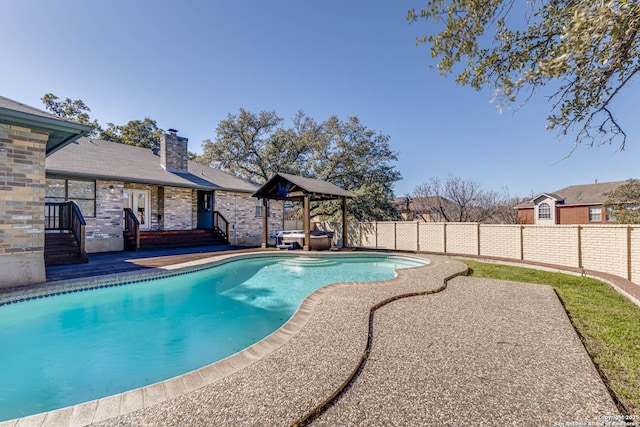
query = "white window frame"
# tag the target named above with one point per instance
(595, 216)
(544, 211)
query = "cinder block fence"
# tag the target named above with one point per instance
(613, 249)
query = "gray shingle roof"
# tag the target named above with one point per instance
(10, 104)
(61, 131)
(94, 158)
(583, 194)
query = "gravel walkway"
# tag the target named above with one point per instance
(482, 352)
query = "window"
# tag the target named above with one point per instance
(610, 210)
(259, 208)
(82, 192)
(544, 211)
(595, 213)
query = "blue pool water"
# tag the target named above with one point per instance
(67, 349)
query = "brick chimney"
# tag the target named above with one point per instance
(173, 151)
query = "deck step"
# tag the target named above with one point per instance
(180, 238)
(62, 249)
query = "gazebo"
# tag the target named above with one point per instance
(284, 186)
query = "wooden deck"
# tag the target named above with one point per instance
(128, 261)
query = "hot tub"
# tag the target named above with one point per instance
(320, 240)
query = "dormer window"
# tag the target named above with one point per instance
(544, 211)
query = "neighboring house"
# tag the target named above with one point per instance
(27, 136)
(170, 196)
(420, 208)
(577, 204)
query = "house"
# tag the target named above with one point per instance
(27, 136)
(132, 197)
(425, 209)
(576, 204)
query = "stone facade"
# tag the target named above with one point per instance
(178, 209)
(174, 208)
(173, 152)
(22, 189)
(240, 210)
(104, 231)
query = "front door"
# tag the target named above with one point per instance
(205, 210)
(139, 201)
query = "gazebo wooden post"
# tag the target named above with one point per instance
(265, 224)
(344, 222)
(307, 223)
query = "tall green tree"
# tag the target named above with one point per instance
(141, 133)
(346, 153)
(588, 49)
(623, 203)
(74, 110)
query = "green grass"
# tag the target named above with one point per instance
(607, 321)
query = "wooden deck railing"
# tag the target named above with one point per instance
(132, 224)
(221, 224)
(66, 216)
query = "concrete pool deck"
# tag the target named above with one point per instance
(476, 352)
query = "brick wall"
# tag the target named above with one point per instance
(22, 190)
(634, 249)
(174, 208)
(173, 152)
(553, 244)
(500, 241)
(407, 236)
(578, 215)
(178, 209)
(386, 235)
(526, 216)
(432, 236)
(613, 249)
(104, 232)
(366, 235)
(462, 238)
(240, 209)
(604, 248)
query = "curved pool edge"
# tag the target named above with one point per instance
(47, 289)
(103, 409)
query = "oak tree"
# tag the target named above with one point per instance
(623, 203)
(587, 50)
(344, 152)
(141, 133)
(74, 110)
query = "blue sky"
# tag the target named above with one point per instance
(188, 64)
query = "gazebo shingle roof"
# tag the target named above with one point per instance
(293, 187)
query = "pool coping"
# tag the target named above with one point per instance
(103, 409)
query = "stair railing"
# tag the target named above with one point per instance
(66, 216)
(220, 224)
(132, 225)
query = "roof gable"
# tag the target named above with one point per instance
(293, 187)
(554, 197)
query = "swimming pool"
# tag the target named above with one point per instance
(76, 347)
